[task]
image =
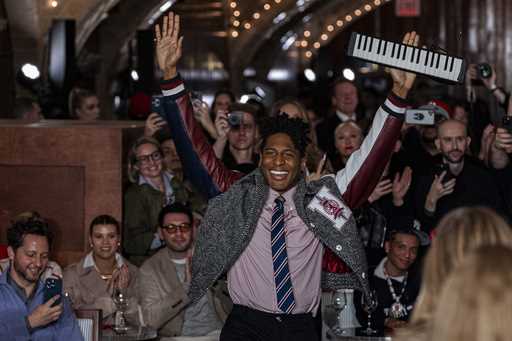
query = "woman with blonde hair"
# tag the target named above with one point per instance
(475, 303)
(152, 188)
(460, 232)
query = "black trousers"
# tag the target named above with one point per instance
(246, 324)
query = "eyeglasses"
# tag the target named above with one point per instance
(144, 159)
(173, 228)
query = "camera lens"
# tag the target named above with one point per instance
(484, 70)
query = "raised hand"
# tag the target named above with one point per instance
(221, 124)
(402, 80)
(168, 45)
(401, 184)
(154, 123)
(503, 140)
(438, 189)
(319, 170)
(383, 187)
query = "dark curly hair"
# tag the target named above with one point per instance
(20, 228)
(293, 127)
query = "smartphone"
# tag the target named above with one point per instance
(506, 122)
(444, 167)
(53, 287)
(197, 99)
(419, 116)
(156, 105)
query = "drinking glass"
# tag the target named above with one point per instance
(332, 311)
(120, 300)
(369, 305)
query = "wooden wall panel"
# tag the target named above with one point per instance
(67, 156)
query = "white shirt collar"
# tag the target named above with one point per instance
(379, 272)
(89, 260)
(344, 117)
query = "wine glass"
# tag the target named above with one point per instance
(120, 299)
(333, 310)
(369, 305)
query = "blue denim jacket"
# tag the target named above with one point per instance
(13, 312)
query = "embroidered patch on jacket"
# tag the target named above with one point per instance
(332, 208)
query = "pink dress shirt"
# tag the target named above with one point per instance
(251, 280)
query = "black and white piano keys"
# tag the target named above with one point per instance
(415, 59)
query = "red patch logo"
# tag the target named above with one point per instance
(331, 207)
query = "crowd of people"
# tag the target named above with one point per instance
(237, 221)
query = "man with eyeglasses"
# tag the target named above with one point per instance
(164, 282)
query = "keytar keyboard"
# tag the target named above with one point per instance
(409, 58)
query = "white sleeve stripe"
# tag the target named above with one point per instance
(393, 107)
(174, 91)
(356, 160)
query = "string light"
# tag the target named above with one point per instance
(256, 15)
(234, 34)
(54, 3)
(324, 36)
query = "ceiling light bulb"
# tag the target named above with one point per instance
(236, 13)
(330, 28)
(256, 15)
(339, 23)
(309, 54)
(357, 12)
(247, 26)
(348, 18)
(234, 34)
(307, 34)
(316, 45)
(233, 4)
(266, 7)
(324, 36)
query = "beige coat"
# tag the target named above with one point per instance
(163, 298)
(87, 290)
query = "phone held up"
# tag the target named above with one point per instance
(53, 287)
(420, 116)
(440, 168)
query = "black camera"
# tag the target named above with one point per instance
(506, 122)
(235, 118)
(484, 70)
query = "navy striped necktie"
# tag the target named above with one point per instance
(284, 289)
